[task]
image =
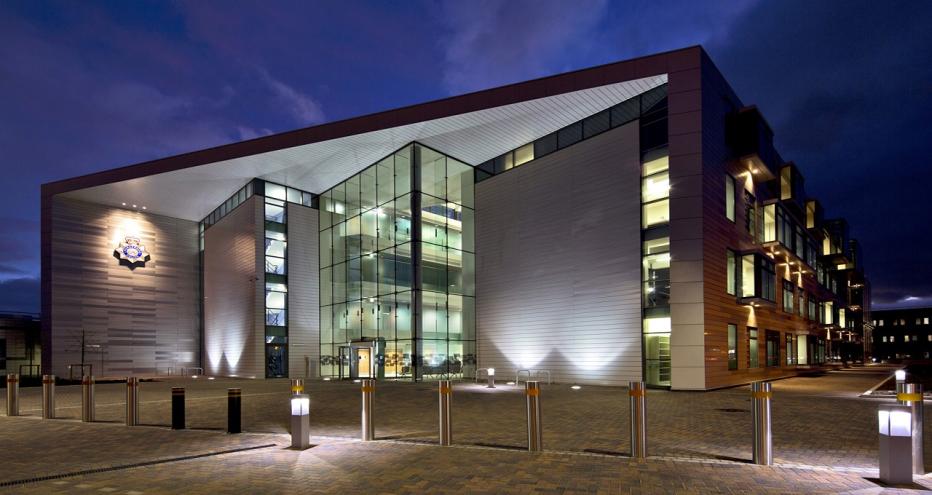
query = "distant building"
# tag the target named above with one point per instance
(631, 221)
(902, 333)
(20, 351)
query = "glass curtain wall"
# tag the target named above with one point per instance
(398, 266)
(276, 282)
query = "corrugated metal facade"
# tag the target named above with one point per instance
(303, 292)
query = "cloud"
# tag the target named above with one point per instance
(493, 43)
(304, 109)
(19, 295)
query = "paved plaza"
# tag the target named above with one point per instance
(824, 441)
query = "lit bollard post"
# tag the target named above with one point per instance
(48, 396)
(178, 419)
(297, 386)
(760, 407)
(132, 401)
(300, 421)
(637, 391)
(895, 428)
(535, 436)
(12, 394)
(87, 398)
(234, 410)
(911, 396)
(491, 374)
(446, 419)
(368, 427)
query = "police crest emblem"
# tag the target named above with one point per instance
(132, 251)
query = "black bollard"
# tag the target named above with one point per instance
(177, 408)
(234, 410)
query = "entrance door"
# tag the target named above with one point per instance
(345, 368)
(363, 362)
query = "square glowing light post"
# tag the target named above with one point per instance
(491, 373)
(895, 426)
(900, 375)
(300, 421)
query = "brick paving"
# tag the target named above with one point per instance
(824, 441)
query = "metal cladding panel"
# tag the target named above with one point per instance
(559, 263)
(234, 332)
(143, 319)
(303, 292)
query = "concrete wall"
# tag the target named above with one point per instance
(303, 292)
(558, 263)
(234, 316)
(140, 320)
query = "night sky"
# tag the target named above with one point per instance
(846, 86)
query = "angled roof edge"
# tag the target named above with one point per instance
(664, 62)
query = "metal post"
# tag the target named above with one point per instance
(446, 419)
(761, 392)
(300, 421)
(368, 427)
(132, 401)
(234, 410)
(48, 396)
(178, 408)
(637, 391)
(535, 437)
(87, 398)
(297, 386)
(12, 394)
(911, 395)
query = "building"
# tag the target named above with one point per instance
(19, 343)
(902, 334)
(624, 222)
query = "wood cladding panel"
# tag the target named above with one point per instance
(558, 263)
(234, 317)
(140, 320)
(303, 292)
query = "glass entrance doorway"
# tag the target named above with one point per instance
(362, 359)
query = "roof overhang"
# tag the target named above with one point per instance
(473, 128)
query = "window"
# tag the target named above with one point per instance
(802, 304)
(813, 314)
(885, 338)
(829, 313)
(750, 214)
(753, 356)
(790, 350)
(657, 368)
(773, 348)
(770, 223)
(758, 277)
(731, 270)
(925, 321)
(788, 297)
(656, 273)
(881, 322)
(655, 189)
(730, 198)
(733, 346)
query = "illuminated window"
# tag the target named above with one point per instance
(753, 354)
(732, 346)
(731, 271)
(730, 198)
(655, 189)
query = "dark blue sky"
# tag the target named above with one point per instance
(847, 87)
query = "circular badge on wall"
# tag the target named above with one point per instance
(132, 251)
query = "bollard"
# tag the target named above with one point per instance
(637, 391)
(297, 386)
(234, 410)
(12, 394)
(368, 427)
(132, 401)
(446, 419)
(300, 421)
(490, 372)
(895, 428)
(760, 408)
(178, 408)
(48, 396)
(911, 395)
(87, 398)
(535, 437)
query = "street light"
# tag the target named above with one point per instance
(300, 421)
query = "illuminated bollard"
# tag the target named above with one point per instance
(12, 394)
(491, 374)
(234, 410)
(535, 436)
(446, 418)
(760, 408)
(637, 391)
(48, 396)
(911, 396)
(178, 419)
(895, 427)
(368, 427)
(300, 421)
(132, 401)
(87, 398)
(297, 386)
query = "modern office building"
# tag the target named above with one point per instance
(901, 334)
(626, 221)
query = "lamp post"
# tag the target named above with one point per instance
(491, 373)
(895, 423)
(300, 421)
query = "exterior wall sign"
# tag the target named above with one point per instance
(132, 251)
